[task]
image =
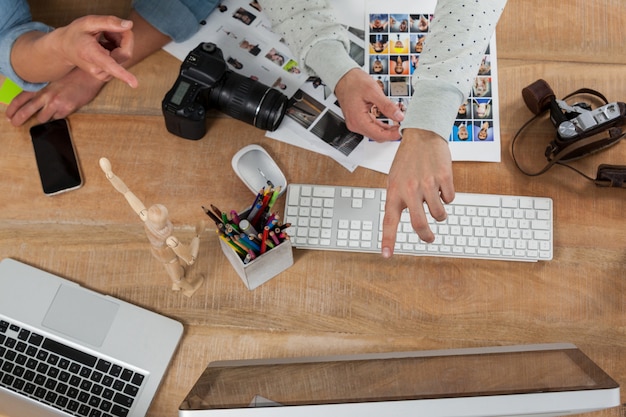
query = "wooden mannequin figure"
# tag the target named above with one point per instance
(165, 247)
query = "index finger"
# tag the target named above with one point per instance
(103, 63)
(390, 227)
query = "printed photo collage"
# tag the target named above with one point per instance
(395, 42)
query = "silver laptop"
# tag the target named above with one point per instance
(529, 380)
(66, 350)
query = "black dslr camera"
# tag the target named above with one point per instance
(206, 82)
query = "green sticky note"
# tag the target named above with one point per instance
(8, 91)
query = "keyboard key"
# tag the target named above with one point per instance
(115, 370)
(69, 352)
(118, 411)
(103, 366)
(127, 375)
(123, 400)
(138, 379)
(35, 339)
(324, 192)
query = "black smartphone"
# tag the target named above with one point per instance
(58, 165)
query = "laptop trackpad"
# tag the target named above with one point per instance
(80, 314)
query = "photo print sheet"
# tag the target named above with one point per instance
(243, 33)
(315, 118)
(395, 33)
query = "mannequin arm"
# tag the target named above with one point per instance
(188, 254)
(120, 186)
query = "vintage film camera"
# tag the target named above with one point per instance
(580, 130)
(206, 82)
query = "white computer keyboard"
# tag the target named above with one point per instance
(483, 226)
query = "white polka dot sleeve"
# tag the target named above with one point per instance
(313, 34)
(460, 33)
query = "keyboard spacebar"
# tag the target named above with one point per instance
(485, 200)
(69, 352)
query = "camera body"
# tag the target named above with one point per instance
(578, 123)
(205, 82)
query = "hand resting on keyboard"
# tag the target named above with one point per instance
(421, 173)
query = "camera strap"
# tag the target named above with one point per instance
(607, 175)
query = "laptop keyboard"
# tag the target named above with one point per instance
(58, 375)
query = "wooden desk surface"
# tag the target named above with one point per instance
(338, 303)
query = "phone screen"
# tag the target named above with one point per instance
(56, 158)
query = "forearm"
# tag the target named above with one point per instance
(148, 39)
(330, 61)
(37, 47)
(16, 20)
(176, 19)
(36, 59)
(7, 40)
(449, 63)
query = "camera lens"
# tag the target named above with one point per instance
(248, 100)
